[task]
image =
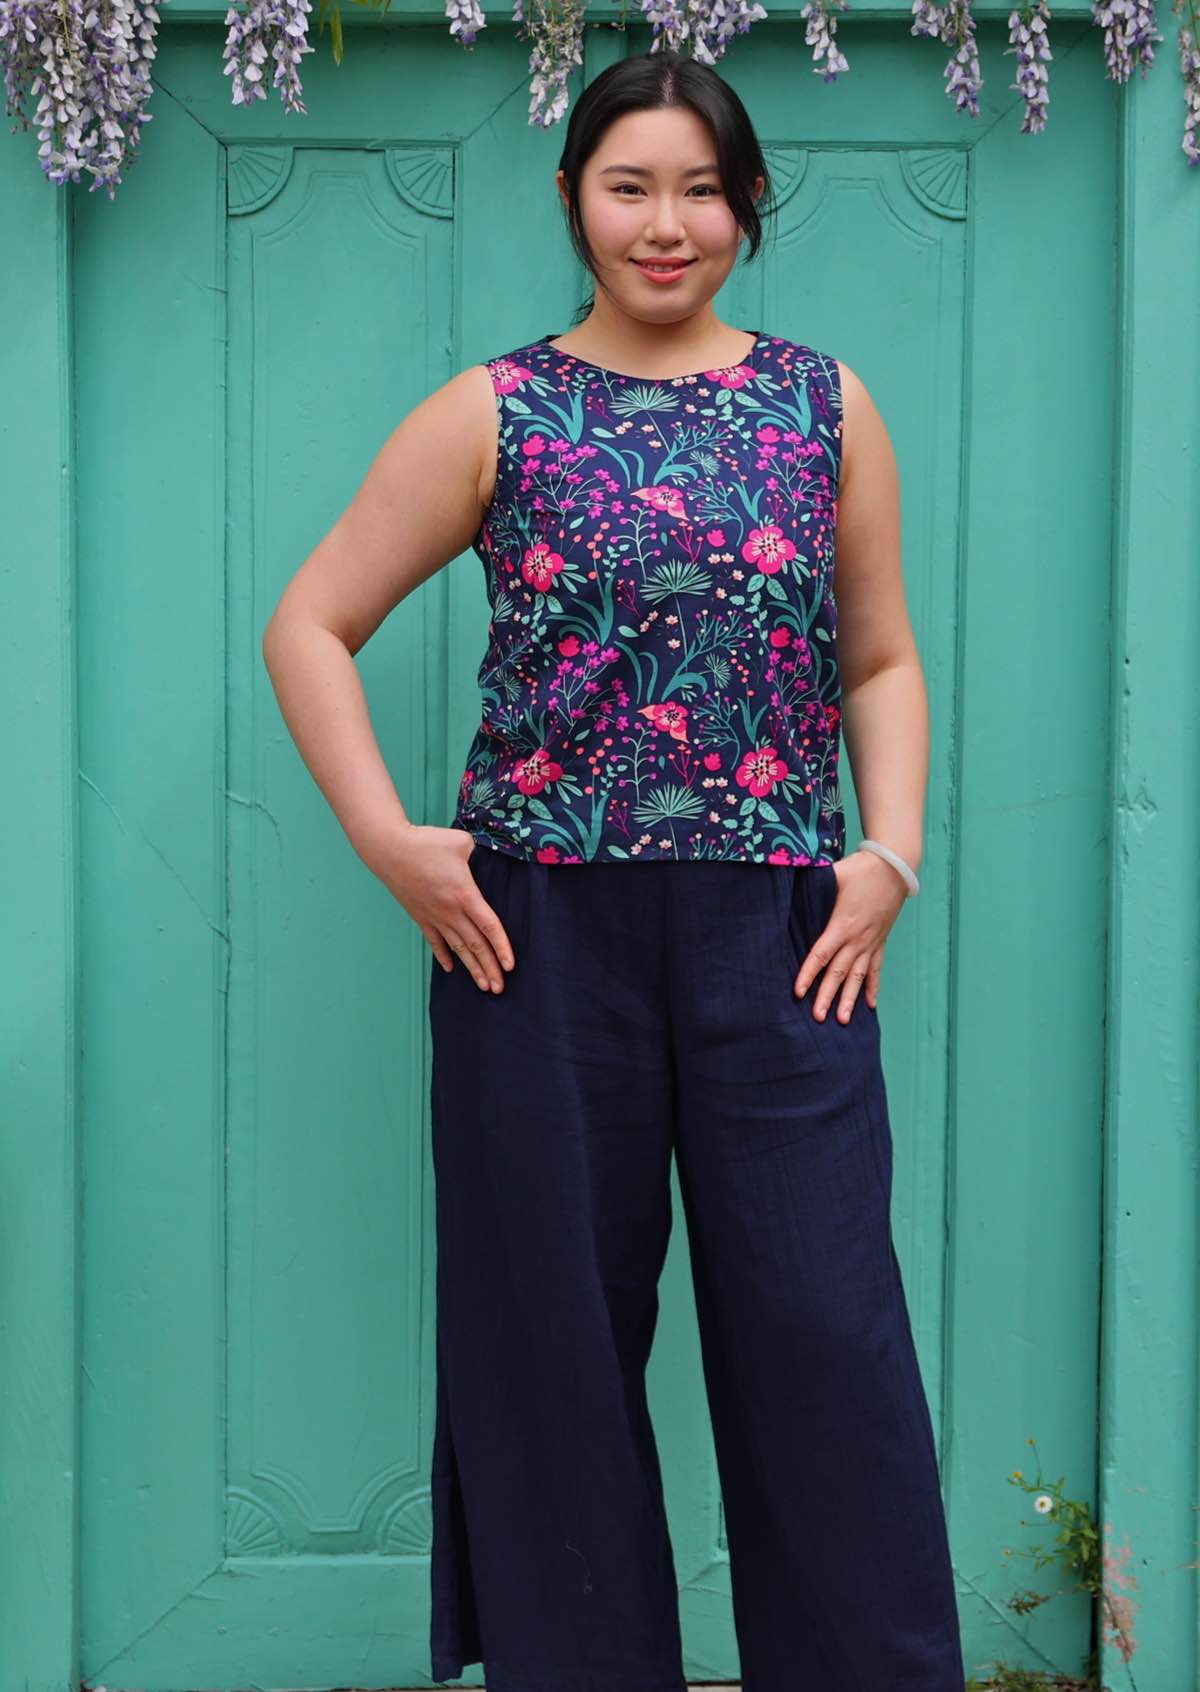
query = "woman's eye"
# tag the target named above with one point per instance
(705, 188)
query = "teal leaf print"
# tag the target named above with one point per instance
(670, 803)
(676, 577)
(644, 399)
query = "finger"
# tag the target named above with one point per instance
(819, 954)
(873, 975)
(835, 973)
(489, 924)
(476, 952)
(438, 947)
(460, 945)
(850, 990)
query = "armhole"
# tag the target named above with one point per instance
(497, 420)
(827, 406)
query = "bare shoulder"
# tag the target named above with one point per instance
(866, 444)
(419, 506)
(463, 411)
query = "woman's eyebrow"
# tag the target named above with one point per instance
(641, 170)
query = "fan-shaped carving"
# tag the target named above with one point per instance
(938, 179)
(423, 178)
(407, 1529)
(787, 166)
(251, 1530)
(254, 175)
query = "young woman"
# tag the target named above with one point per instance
(644, 877)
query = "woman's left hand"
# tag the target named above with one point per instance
(850, 946)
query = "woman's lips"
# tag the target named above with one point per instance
(662, 275)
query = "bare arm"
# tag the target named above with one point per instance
(418, 507)
(885, 711)
(884, 703)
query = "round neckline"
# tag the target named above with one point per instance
(624, 375)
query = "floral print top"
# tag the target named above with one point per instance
(661, 677)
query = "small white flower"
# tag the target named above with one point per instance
(1043, 1503)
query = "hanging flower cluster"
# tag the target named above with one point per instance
(90, 69)
(87, 62)
(271, 29)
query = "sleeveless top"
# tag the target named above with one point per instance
(661, 677)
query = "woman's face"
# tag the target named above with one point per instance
(651, 190)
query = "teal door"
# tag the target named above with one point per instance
(253, 315)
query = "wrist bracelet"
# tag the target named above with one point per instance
(897, 863)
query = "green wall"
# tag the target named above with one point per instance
(216, 1320)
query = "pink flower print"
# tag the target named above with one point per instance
(760, 769)
(780, 636)
(533, 446)
(540, 566)
(712, 760)
(547, 855)
(532, 773)
(769, 548)
(507, 374)
(780, 855)
(665, 499)
(569, 646)
(672, 719)
(715, 537)
(734, 376)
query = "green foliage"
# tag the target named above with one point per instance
(1075, 1548)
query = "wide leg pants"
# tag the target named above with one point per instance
(651, 1013)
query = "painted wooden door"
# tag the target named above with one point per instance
(254, 314)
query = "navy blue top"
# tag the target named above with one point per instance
(661, 677)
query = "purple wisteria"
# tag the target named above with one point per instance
(1029, 40)
(710, 25)
(820, 33)
(87, 62)
(1129, 35)
(1189, 62)
(954, 24)
(91, 71)
(270, 29)
(557, 33)
(467, 19)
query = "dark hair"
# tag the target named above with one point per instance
(647, 82)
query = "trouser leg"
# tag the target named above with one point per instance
(552, 1142)
(839, 1560)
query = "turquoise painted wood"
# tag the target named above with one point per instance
(215, 1452)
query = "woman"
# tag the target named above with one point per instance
(644, 876)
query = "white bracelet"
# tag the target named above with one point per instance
(896, 861)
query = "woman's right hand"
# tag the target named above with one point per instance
(427, 870)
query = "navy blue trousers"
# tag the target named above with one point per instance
(651, 1014)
